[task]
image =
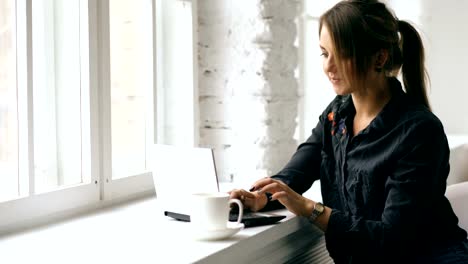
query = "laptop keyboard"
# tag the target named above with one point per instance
(234, 214)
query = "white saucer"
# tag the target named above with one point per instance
(217, 234)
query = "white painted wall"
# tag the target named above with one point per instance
(445, 24)
(248, 85)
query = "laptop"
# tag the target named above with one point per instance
(179, 171)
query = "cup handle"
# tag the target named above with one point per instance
(241, 208)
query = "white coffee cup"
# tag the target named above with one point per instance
(210, 211)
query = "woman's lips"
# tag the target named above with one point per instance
(334, 80)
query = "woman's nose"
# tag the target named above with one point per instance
(329, 64)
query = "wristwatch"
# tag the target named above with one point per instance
(318, 210)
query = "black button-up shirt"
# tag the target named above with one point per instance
(386, 185)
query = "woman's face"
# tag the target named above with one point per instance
(330, 67)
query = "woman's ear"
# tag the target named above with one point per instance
(381, 58)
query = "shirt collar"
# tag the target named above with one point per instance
(391, 111)
(386, 116)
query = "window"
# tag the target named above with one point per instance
(131, 74)
(177, 72)
(77, 104)
(317, 90)
(8, 103)
(57, 92)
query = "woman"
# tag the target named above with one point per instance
(380, 153)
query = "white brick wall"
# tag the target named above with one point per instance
(247, 84)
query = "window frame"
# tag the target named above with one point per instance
(100, 32)
(31, 207)
(35, 209)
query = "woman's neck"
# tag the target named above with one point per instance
(369, 102)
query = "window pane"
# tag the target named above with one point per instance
(56, 93)
(8, 103)
(318, 92)
(131, 52)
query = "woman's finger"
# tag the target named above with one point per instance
(241, 195)
(234, 193)
(279, 195)
(247, 194)
(260, 183)
(275, 186)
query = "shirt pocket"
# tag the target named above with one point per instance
(329, 181)
(327, 168)
(364, 194)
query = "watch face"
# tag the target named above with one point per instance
(318, 210)
(319, 207)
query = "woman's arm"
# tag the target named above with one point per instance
(293, 201)
(304, 167)
(299, 173)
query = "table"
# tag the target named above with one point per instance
(138, 232)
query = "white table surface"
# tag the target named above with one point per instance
(138, 232)
(134, 233)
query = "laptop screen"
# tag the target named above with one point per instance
(179, 171)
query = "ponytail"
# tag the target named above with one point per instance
(413, 71)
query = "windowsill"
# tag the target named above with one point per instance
(138, 232)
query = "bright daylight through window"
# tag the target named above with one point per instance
(77, 105)
(57, 93)
(131, 85)
(44, 142)
(8, 103)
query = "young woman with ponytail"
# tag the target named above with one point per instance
(380, 154)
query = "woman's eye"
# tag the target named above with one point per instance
(323, 54)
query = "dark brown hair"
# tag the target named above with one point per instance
(361, 28)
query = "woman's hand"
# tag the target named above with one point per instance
(251, 200)
(294, 202)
